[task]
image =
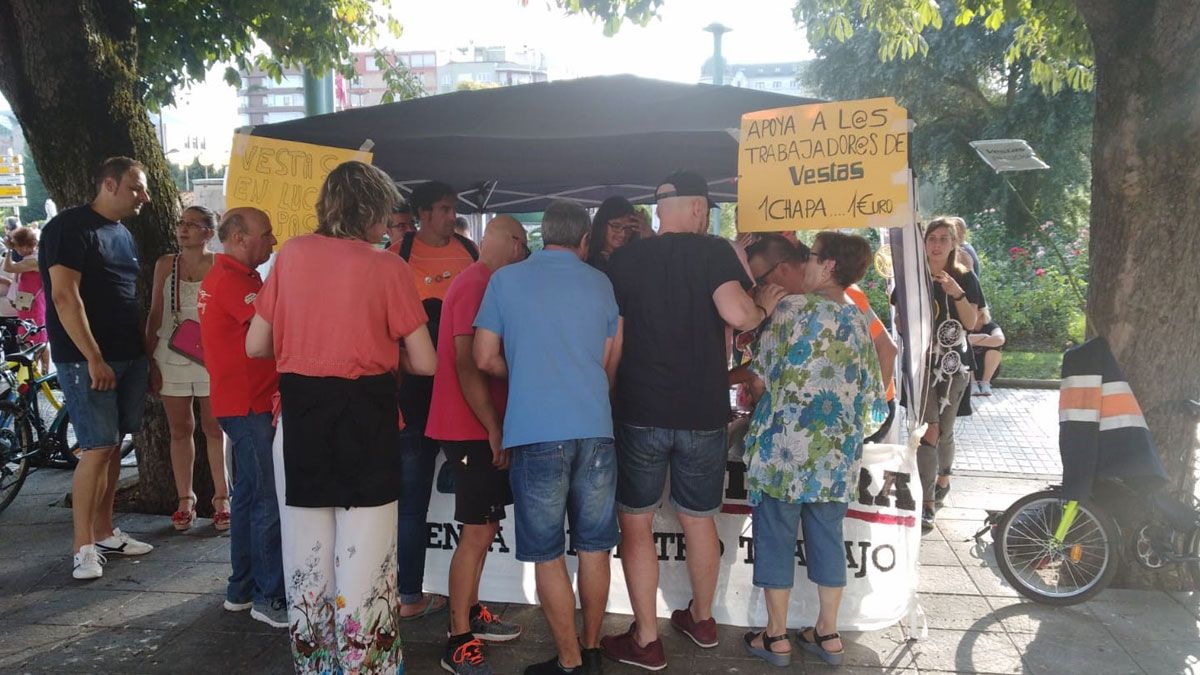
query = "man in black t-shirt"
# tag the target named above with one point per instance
(676, 293)
(89, 268)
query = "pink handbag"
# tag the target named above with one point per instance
(185, 339)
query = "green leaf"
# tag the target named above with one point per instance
(995, 19)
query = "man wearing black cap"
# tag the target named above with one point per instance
(676, 293)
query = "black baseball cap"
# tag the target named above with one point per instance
(682, 184)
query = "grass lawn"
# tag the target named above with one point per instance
(1031, 365)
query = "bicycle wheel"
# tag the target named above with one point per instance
(1048, 572)
(16, 442)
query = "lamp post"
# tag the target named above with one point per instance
(718, 62)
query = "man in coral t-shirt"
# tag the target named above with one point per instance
(466, 415)
(435, 255)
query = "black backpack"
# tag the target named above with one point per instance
(416, 390)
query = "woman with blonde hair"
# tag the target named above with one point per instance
(339, 342)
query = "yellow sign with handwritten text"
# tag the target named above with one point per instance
(283, 178)
(824, 166)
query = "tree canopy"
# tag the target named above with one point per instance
(179, 40)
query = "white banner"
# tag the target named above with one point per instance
(882, 533)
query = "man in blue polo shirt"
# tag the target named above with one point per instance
(550, 325)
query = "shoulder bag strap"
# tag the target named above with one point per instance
(175, 289)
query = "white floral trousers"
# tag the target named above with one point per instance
(339, 569)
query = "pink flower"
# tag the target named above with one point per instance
(1039, 272)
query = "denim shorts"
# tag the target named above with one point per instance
(102, 418)
(775, 525)
(696, 460)
(576, 479)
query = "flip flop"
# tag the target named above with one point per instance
(777, 659)
(815, 648)
(436, 604)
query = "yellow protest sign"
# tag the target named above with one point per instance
(283, 178)
(822, 166)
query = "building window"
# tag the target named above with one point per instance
(371, 65)
(483, 77)
(760, 85)
(777, 84)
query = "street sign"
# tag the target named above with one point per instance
(17, 179)
(13, 201)
(12, 190)
(1008, 154)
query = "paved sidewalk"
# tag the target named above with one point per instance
(162, 613)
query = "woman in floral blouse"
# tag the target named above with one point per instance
(823, 395)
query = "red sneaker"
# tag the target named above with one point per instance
(625, 649)
(703, 633)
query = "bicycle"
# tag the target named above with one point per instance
(1062, 552)
(27, 397)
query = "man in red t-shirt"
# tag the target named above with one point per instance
(466, 414)
(241, 392)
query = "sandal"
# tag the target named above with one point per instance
(777, 659)
(182, 520)
(221, 516)
(815, 648)
(435, 604)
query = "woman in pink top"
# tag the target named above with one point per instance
(339, 340)
(29, 287)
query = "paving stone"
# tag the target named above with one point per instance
(1166, 656)
(1137, 616)
(957, 612)
(952, 580)
(967, 652)
(1053, 652)
(1189, 599)
(937, 553)
(989, 582)
(1019, 615)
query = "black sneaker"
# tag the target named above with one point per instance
(939, 494)
(465, 658)
(593, 662)
(927, 519)
(550, 667)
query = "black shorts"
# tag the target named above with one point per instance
(481, 491)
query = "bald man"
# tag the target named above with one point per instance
(465, 416)
(240, 393)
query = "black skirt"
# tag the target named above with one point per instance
(340, 440)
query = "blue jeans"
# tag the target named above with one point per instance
(102, 418)
(576, 479)
(418, 456)
(694, 458)
(254, 547)
(775, 524)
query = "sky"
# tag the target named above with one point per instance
(672, 47)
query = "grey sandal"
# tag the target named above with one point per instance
(816, 648)
(777, 659)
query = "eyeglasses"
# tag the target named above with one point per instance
(525, 252)
(187, 225)
(762, 278)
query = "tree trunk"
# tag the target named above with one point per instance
(68, 68)
(1144, 291)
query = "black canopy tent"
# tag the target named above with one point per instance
(513, 149)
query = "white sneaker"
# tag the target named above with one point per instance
(89, 563)
(123, 544)
(231, 606)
